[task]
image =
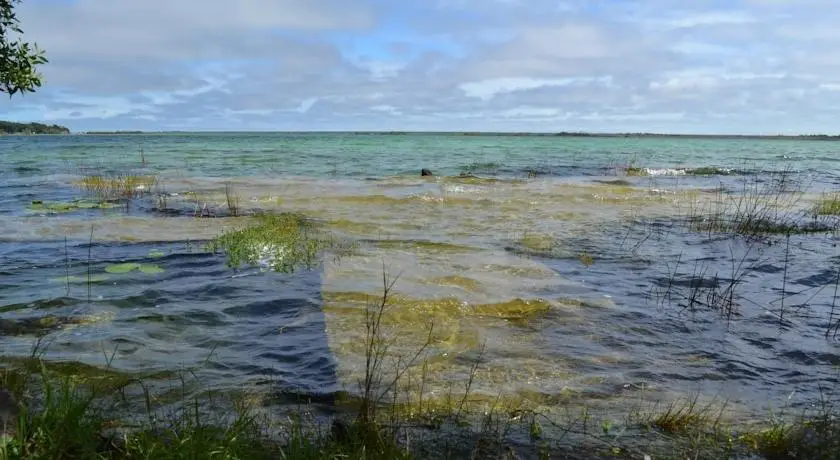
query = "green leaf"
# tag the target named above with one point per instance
(150, 269)
(156, 253)
(121, 268)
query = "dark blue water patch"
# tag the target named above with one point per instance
(256, 323)
(827, 276)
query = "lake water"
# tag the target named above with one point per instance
(543, 257)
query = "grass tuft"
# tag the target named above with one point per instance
(116, 186)
(283, 242)
(828, 205)
(764, 207)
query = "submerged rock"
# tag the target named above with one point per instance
(426, 172)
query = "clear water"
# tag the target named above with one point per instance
(495, 260)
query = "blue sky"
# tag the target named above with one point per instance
(746, 66)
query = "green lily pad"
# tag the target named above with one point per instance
(150, 269)
(51, 207)
(87, 205)
(156, 254)
(56, 207)
(121, 268)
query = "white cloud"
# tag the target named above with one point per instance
(710, 18)
(488, 89)
(451, 64)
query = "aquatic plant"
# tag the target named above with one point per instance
(280, 242)
(70, 206)
(128, 267)
(115, 186)
(764, 207)
(232, 199)
(828, 205)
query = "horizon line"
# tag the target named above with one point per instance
(462, 132)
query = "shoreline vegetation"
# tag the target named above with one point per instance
(11, 128)
(810, 137)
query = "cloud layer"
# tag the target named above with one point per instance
(750, 66)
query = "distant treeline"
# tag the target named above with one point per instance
(113, 132)
(8, 127)
(826, 137)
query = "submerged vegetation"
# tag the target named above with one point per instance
(117, 186)
(828, 205)
(70, 206)
(281, 242)
(769, 206)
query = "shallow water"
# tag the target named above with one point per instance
(574, 277)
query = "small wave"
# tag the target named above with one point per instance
(702, 171)
(664, 172)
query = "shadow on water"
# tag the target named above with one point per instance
(167, 306)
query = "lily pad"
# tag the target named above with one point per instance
(156, 253)
(51, 207)
(75, 205)
(150, 269)
(121, 268)
(87, 204)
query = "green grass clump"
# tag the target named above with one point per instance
(681, 418)
(116, 186)
(828, 205)
(75, 420)
(284, 241)
(763, 208)
(635, 171)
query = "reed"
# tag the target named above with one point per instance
(828, 205)
(232, 199)
(121, 185)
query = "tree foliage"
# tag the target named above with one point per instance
(18, 59)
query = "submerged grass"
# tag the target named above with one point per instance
(828, 205)
(765, 206)
(282, 242)
(116, 186)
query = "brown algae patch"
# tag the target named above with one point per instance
(462, 282)
(353, 227)
(41, 325)
(513, 309)
(424, 246)
(538, 242)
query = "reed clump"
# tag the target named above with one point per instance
(763, 207)
(828, 205)
(116, 186)
(282, 242)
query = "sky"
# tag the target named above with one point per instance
(695, 66)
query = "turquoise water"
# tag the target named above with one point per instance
(574, 273)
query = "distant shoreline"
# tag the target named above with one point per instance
(813, 137)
